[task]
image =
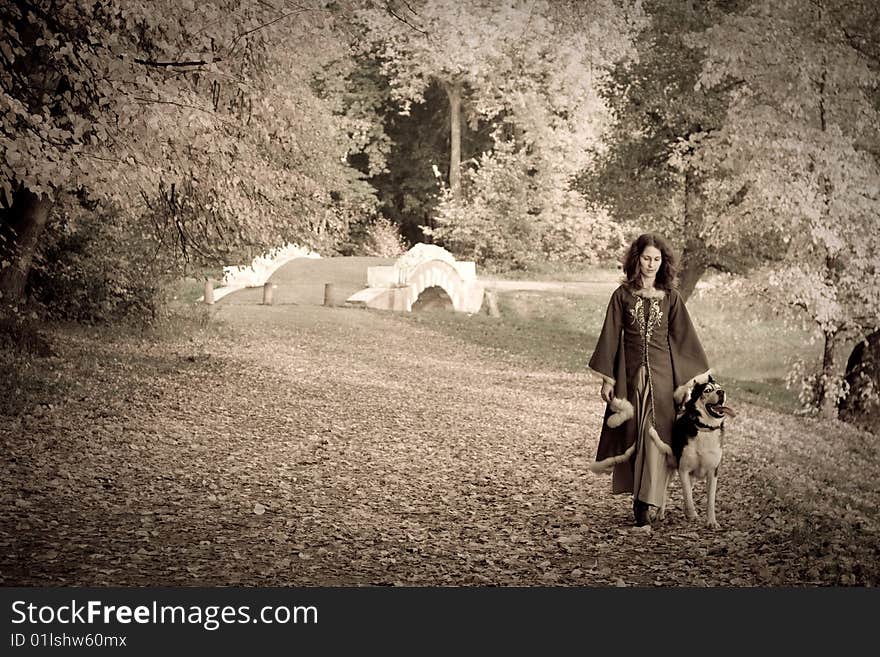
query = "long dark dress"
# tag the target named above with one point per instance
(648, 347)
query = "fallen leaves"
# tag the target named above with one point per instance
(423, 462)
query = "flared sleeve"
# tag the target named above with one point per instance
(603, 359)
(688, 358)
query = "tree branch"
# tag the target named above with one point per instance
(740, 195)
(267, 24)
(731, 85)
(199, 62)
(409, 6)
(404, 21)
(858, 43)
(148, 101)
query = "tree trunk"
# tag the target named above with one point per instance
(694, 267)
(694, 257)
(453, 91)
(20, 229)
(861, 406)
(826, 397)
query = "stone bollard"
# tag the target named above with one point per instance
(328, 294)
(492, 301)
(268, 293)
(209, 292)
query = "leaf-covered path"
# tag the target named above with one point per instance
(313, 446)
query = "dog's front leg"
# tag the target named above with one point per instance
(687, 489)
(711, 483)
(661, 514)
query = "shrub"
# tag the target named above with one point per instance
(20, 333)
(510, 213)
(93, 267)
(383, 239)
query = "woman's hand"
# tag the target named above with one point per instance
(607, 392)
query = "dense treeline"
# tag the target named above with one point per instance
(142, 142)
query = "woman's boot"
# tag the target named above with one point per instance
(640, 511)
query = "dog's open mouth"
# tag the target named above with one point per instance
(719, 410)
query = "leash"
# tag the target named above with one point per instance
(647, 334)
(650, 317)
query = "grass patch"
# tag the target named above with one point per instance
(751, 354)
(188, 290)
(537, 342)
(557, 271)
(748, 344)
(770, 394)
(543, 329)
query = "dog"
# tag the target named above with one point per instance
(697, 445)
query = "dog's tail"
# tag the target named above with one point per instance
(608, 463)
(611, 461)
(663, 447)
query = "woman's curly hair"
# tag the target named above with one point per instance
(667, 275)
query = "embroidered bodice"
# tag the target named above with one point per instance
(646, 313)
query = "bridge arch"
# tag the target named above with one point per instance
(424, 266)
(434, 273)
(433, 298)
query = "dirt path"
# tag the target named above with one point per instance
(302, 451)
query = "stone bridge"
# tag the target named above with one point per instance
(425, 272)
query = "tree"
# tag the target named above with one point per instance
(201, 116)
(861, 405)
(526, 70)
(398, 152)
(860, 23)
(478, 49)
(451, 44)
(651, 172)
(801, 133)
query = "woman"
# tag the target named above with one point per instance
(648, 347)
